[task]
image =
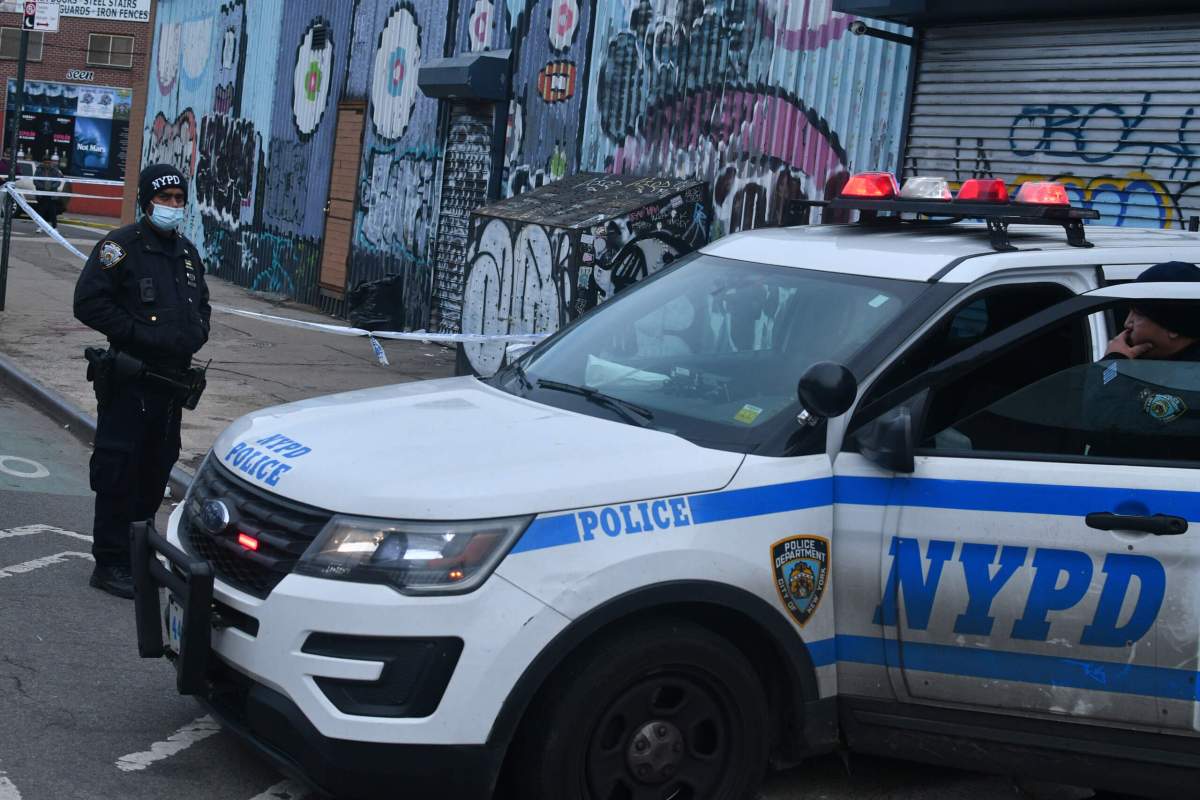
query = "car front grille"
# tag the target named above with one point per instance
(282, 528)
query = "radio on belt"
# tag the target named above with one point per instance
(871, 486)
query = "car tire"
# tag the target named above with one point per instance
(665, 710)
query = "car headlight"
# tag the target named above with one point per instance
(411, 557)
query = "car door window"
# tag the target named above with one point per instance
(1132, 411)
(980, 316)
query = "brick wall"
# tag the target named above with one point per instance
(67, 50)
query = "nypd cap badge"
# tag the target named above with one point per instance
(801, 565)
(111, 254)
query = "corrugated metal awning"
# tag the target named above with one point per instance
(923, 13)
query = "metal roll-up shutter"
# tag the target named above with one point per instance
(1111, 107)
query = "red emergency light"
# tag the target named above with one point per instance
(1043, 193)
(874, 185)
(983, 190)
(247, 541)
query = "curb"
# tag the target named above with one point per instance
(77, 422)
(83, 223)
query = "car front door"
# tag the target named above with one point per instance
(1040, 544)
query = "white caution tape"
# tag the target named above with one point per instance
(418, 336)
(41, 223)
(338, 330)
(48, 193)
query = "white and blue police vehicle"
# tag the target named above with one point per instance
(869, 485)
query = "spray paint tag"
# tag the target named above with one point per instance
(380, 356)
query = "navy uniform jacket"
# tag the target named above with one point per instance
(146, 293)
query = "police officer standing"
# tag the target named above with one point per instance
(143, 288)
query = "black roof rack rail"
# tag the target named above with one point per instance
(998, 216)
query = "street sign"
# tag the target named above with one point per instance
(30, 12)
(46, 16)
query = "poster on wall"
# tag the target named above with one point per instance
(85, 129)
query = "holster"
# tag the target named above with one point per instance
(100, 372)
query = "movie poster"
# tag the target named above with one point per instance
(84, 128)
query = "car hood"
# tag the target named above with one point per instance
(455, 449)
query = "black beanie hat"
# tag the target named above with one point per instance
(155, 178)
(1181, 317)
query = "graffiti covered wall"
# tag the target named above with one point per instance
(768, 100)
(1122, 133)
(395, 221)
(241, 102)
(765, 100)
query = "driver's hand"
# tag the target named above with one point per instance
(1120, 345)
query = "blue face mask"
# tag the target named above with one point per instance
(166, 218)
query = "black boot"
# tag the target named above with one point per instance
(116, 579)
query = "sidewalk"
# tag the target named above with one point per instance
(254, 364)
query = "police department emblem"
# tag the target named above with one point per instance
(1162, 407)
(111, 254)
(801, 566)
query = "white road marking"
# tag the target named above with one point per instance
(178, 741)
(7, 790)
(29, 467)
(29, 530)
(44, 561)
(284, 790)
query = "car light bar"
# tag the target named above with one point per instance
(874, 185)
(984, 190)
(1037, 203)
(1045, 193)
(924, 188)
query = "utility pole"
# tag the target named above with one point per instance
(14, 125)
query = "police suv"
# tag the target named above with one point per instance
(639, 563)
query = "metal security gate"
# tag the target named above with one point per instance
(1111, 107)
(466, 174)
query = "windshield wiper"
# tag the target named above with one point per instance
(626, 409)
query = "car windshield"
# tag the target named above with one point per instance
(712, 348)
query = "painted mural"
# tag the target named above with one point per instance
(763, 100)
(248, 145)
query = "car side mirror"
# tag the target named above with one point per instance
(888, 441)
(517, 349)
(826, 390)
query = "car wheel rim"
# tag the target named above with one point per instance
(665, 737)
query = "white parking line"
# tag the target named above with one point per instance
(29, 530)
(7, 790)
(284, 790)
(44, 561)
(178, 741)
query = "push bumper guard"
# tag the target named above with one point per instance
(190, 582)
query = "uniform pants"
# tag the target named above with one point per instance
(48, 209)
(137, 443)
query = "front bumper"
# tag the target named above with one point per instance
(275, 727)
(265, 668)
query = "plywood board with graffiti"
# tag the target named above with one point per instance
(540, 260)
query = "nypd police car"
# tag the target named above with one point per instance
(871, 485)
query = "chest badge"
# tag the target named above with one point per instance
(111, 254)
(801, 566)
(1162, 407)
